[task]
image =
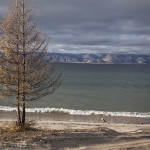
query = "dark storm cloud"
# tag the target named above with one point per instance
(95, 26)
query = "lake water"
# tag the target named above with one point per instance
(101, 87)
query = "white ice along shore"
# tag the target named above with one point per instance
(80, 112)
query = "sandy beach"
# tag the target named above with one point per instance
(77, 134)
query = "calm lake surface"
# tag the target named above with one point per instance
(101, 87)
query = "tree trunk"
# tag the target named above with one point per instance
(24, 68)
(18, 113)
(23, 113)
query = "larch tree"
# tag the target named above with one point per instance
(26, 72)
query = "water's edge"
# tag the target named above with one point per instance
(79, 112)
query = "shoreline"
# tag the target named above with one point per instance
(79, 112)
(58, 116)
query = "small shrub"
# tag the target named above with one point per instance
(19, 127)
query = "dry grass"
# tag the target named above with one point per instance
(18, 127)
(13, 131)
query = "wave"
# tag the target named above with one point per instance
(80, 112)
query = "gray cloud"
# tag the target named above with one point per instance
(95, 26)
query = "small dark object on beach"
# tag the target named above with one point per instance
(103, 120)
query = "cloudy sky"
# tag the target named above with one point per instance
(94, 26)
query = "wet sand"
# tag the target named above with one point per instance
(77, 118)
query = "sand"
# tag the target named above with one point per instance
(78, 135)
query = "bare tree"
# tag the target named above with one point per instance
(26, 73)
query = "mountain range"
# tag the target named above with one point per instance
(101, 58)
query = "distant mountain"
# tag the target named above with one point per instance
(101, 58)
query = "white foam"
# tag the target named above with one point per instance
(80, 112)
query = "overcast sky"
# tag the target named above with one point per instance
(94, 26)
